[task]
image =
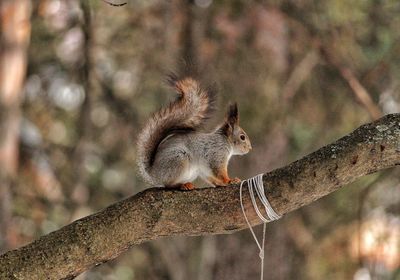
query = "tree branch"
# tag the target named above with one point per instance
(156, 212)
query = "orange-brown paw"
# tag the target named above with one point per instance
(227, 182)
(217, 183)
(187, 187)
(235, 180)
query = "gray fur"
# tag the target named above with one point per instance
(198, 154)
(201, 151)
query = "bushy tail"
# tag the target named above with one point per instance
(188, 112)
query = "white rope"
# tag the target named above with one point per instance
(257, 183)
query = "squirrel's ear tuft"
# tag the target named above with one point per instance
(172, 79)
(232, 119)
(233, 114)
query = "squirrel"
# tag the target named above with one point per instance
(173, 151)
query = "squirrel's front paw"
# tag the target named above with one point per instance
(235, 180)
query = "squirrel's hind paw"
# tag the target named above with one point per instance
(187, 187)
(182, 187)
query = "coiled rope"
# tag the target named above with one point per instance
(256, 183)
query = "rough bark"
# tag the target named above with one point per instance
(156, 212)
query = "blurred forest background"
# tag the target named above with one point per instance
(79, 79)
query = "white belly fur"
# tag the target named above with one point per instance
(190, 174)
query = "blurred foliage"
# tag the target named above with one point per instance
(93, 81)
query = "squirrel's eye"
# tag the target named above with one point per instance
(242, 137)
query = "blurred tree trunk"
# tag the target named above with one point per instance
(84, 127)
(188, 48)
(15, 33)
